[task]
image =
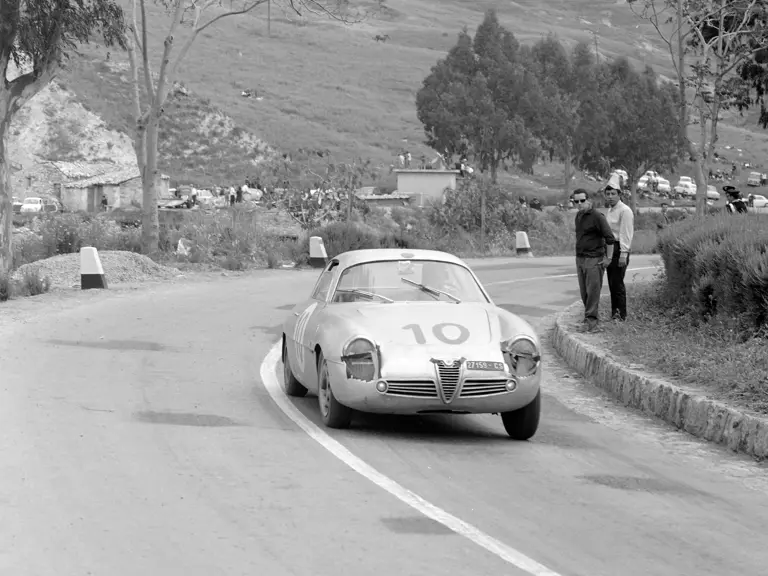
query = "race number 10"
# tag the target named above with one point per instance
(439, 332)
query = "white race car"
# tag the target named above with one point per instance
(410, 332)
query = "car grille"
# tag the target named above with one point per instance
(474, 387)
(412, 388)
(449, 379)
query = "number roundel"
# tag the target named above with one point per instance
(439, 332)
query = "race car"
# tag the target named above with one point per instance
(394, 331)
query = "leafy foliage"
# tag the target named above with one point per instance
(723, 264)
(315, 189)
(476, 99)
(497, 100)
(644, 121)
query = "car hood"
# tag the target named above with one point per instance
(434, 323)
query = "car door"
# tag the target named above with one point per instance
(303, 327)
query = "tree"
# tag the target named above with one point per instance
(722, 37)
(196, 16)
(574, 122)
(316, 192)
(466, 103)
(643, 123)
(36, 38)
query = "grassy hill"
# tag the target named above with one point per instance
(329, 86)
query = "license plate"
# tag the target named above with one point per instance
(490, 366)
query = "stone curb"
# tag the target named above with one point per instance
(697, 415)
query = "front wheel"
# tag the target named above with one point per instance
(332, 412)
(521, 424)
(291, 385)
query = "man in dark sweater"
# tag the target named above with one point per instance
(594, 251)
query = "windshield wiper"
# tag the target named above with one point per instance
(363, 293)
(430, 290)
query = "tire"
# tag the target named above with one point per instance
(521, 424)
(332, 412)
(291, 385)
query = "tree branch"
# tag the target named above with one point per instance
(198, 29)
(162, 89)
(133, 41)
(319, 9)
(145, 52)
(25, 87)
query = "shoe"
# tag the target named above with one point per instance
(592, 326)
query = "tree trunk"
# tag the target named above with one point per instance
(482, 217)
(567, 173)
(634, 176)
(700, 175)
(6, 206)
(150, 227)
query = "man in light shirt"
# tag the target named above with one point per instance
(622, 222)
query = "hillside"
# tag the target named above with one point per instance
(323, 85)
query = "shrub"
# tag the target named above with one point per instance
(5, 287)
(720, 264)
(32, 284)
(340, 237)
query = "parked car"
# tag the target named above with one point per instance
(754, 179)
(712, 193)
(32, 205)
(410, 332)
(206, 198)
(51, 204)
(646, 181)
(685, 186)
(662, 185)
(759, 201)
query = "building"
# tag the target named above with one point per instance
(122, 188)
(425, 187)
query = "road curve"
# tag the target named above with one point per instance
(139, 438)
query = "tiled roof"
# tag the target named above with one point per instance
(115, 177)
(82, 170)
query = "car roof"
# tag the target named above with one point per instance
(354, 257)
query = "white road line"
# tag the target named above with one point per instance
(506, 553)
(556, 276)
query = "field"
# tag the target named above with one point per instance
(328, 86)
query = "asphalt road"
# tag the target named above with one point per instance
(139, 438)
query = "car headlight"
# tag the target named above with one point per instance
(522, 356)
(362, 359)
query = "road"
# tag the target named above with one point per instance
(139, 438)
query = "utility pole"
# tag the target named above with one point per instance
(269, 18)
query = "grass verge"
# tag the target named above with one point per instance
(704, 355)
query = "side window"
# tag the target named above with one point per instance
(324, 283)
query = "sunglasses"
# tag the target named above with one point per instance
(579, 201)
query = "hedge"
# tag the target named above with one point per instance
(719, 265)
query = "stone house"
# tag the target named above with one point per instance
(121, 186)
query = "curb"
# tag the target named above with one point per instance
(697, 415)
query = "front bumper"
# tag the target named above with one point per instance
(418, 390)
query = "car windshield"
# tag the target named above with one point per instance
(408, 281)
(33, 201)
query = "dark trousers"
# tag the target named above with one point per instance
(615, 275)
(590, 274)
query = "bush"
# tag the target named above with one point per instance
(54, 234)
(718, 267)
(32, 284)
(5, 287)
